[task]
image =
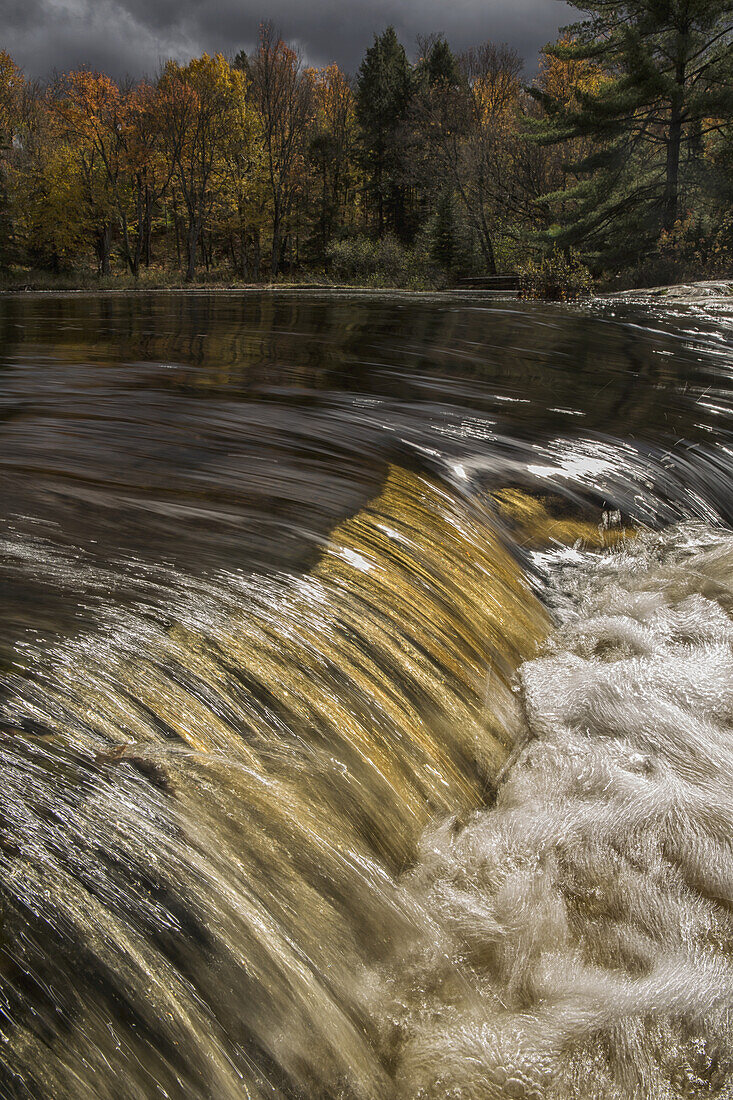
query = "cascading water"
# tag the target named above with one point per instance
(365, 714)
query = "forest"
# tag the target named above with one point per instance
(612, 166)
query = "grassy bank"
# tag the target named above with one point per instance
(30, 280)
(540, 282)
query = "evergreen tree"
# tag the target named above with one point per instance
(440, 66)
(436, 79)
(667, 83)
(383, 91)
(443, 245)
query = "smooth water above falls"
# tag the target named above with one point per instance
(365, 698)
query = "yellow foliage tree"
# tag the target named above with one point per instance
(12, 82)
(563, 78)
(201, 106)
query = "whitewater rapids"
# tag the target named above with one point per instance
(578, 933)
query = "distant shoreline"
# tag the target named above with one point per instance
(679, 293)
(247, 288)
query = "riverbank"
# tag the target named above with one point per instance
(85, 283)
(73, 281)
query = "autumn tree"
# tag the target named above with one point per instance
(560, 83)
(199, 103)
(242, 208)
(11, 85)
(86, 106)
(56, 220)
(146, 171)
(118, 129)
(282, 91)
(623, 144)
(50, 217)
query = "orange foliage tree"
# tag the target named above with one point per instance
(85, 106)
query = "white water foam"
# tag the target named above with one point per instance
(580, 937)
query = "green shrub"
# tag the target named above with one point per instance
(386, 262)
(557, 277)
(363, 260)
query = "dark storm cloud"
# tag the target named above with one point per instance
(134, 36)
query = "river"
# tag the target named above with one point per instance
(365, 697)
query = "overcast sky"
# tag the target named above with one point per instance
(134, 36)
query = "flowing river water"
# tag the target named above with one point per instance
(366, 698)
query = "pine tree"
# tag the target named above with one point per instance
(443, 244)
(666, 85)
(383, 93)
(440, 66)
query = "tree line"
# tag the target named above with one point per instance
(619, 155)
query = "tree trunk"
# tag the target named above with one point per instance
(132, 257)
(244, 256)
(148, 225)
(256, 255)
(487, 246)
(324, 218)
(674, 136)
(671, 190)
(104, 249)
(194, 231)
(177, 228)
(276, 244)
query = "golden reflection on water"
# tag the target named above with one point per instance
(534, 524)
(394, 657)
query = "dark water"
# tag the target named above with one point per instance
(229, 431)
(269, 565)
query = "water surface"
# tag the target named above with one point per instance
(278, 574)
